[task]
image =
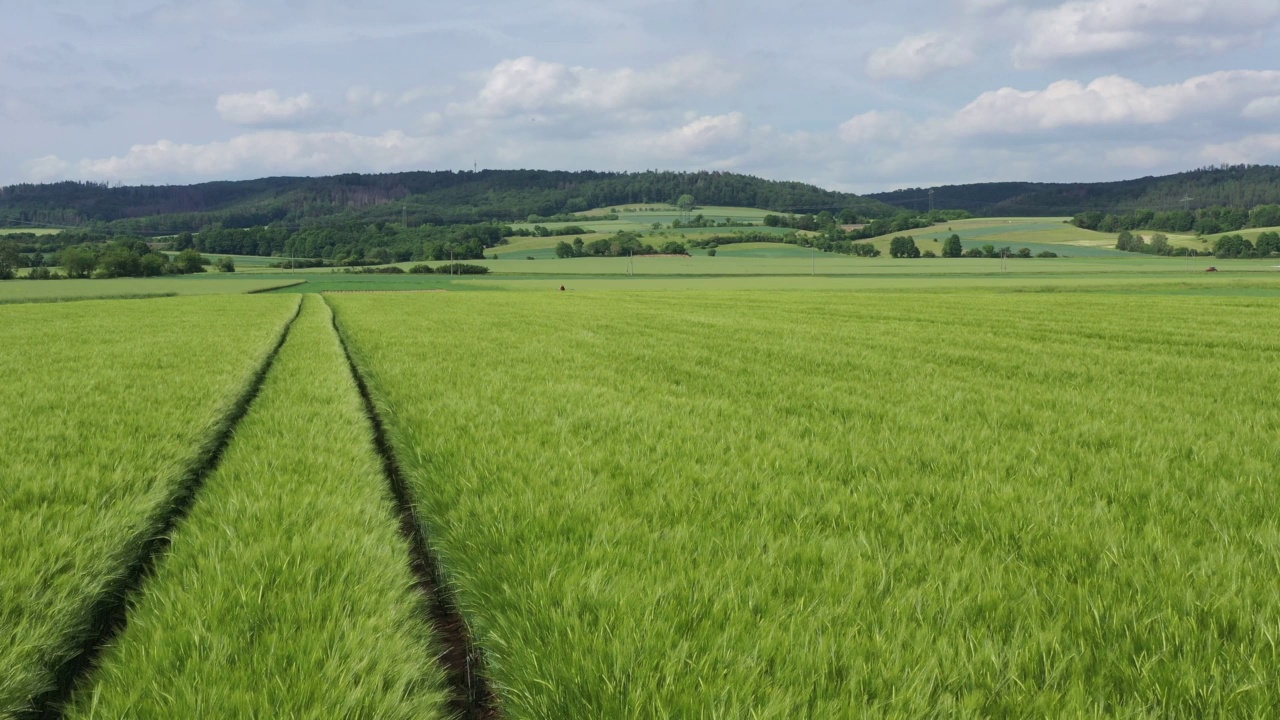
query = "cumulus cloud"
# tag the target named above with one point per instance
(874, 126)
(920, 55)
(1263, 107)
(1111, 100)
(1100, 27)
(1249, 149)
(531, 86)
(266, 152)
(707, 134)
(265, 108)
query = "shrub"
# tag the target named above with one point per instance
(461, 269)
(421, 269)
(1046, 254)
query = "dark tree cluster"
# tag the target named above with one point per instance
(414, 198)
(622, 244)
(1241, 186)
(1159, 245)
(1205, 221)
(1238, 246)
(128, 257)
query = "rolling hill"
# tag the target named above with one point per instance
(1237, 186)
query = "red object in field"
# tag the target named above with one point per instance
(1211, 269)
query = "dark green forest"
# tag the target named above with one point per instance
(413, 198)
(1237, 186)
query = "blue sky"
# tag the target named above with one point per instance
(854, 96)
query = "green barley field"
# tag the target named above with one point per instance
(879, 491)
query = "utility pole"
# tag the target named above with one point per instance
(1186, 203)
(813, 264)
(930, 200)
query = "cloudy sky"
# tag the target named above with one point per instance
(855, 96)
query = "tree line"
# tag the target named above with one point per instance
(416, 198)
(622, 244)
(1204, 221)
(117, 258)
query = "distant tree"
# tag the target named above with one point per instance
(9, 259)
(118, 262)
(1233, 246)
(929, 254)
(1023, 253)
(711, 252)
(952, 247)
(565, 250)
(903, 246)
(183, 241)
(1268, 244)
(1046, 254)
(426, 269)
(226, 265)
(79, 262)
(674, 247)
(153, 264)
(578, 247)
(1265, 216)
(990, 251)
(190, 262)
(685, 203)
(1124, 241)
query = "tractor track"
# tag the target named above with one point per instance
(109, 614)
(471, 695)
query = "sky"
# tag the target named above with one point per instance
(855, 96)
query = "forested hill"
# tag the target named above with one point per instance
(434, 198)
(1241, 186)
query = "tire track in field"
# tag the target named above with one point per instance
(110, 612)
(471, 694)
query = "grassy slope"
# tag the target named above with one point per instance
(287, 592)
(809, 505)
(99, 428)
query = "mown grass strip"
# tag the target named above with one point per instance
(471, 694)
(286, 592)
(109, 432)
(748, 505)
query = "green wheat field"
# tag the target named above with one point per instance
(768, 483)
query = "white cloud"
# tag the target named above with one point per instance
(1250, 149)
(46, 169)
(265, 107)
(707, 134)
(267, 152)
(920, 55)
(873, 127)
(1100, 27)
(1263, 107)
(1111, 100)
(528, 86)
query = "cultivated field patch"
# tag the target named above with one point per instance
(833, 505)
(287, 590)
(104, 431)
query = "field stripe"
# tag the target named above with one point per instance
(285, 592)
(111, 611)
(471, 693)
